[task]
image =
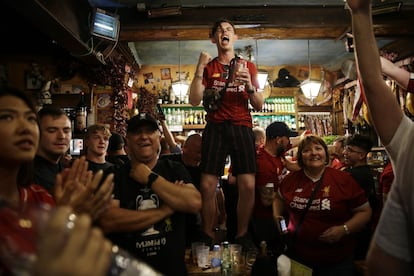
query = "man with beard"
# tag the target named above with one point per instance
(228, 129)
(271, 166)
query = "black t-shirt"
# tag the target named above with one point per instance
(193, 227)
(195, 172)
(94, 167)
(117, 159)
(163, 245)
(364, 177)
(45, 173)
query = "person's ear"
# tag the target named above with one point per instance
(213, 40)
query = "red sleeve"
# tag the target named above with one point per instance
(386, 178)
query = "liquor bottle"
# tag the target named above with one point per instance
(264, 264)
(226, 264)
(81, 114)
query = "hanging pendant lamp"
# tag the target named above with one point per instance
(262, 75)
(179, 87)
(310, 88)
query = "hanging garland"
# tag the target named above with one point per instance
(115, 73)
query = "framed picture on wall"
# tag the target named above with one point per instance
(33, 82)
(148, 78)
(165, 73)
(104, 106)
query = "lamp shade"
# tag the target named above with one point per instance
(180, 88)
(262, 78)
(310, 88)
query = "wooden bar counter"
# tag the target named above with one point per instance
(194, 270)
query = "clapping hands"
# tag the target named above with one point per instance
(79, 188)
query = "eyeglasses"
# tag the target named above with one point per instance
(349, 149)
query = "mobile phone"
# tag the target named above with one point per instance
(283, 226)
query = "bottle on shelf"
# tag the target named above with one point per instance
(81, 114)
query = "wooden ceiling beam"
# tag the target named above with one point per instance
(259, 23)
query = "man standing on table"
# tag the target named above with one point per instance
(228, 129)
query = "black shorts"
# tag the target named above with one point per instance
(222, 139)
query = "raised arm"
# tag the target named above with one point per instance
(380, 100)
(396, 73)
(197, 87)
(169, 137)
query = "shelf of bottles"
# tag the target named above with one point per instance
(281, 109)
(184, 116)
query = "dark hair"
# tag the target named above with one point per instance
(25, 174)
(7, 91)
(311, 139)
(218, 23)
(362, 141)
(51, 110)
(116, 142)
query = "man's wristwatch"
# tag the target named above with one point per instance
(151, 178)
(251, 91)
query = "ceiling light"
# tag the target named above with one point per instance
(180, 87)
(310, 88)
(262, 76)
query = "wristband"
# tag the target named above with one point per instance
(346, 229)
(251, 91)
(198, 77)
(151, 178)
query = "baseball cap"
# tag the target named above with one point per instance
(279, 129)
(141, 119)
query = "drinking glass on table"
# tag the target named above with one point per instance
(194, 251)
(203, 254)
(251, 257)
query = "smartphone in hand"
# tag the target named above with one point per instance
(283, 226)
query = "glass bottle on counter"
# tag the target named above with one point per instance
(216, 258)
(226, 264)
(81, 114)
